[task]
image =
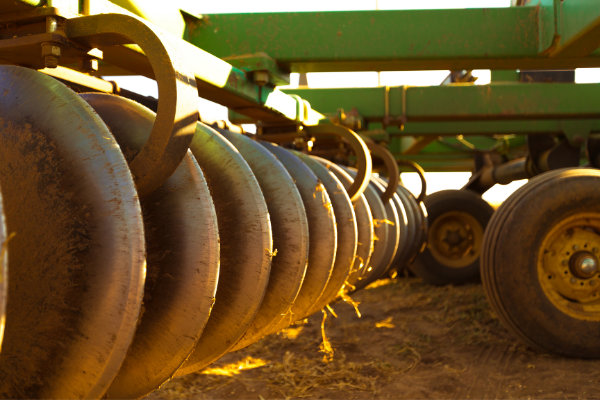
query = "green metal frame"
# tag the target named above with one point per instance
(238, 59)
(552, 34)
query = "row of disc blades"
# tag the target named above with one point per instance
(103, 293)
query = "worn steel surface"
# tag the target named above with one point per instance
(77, 262)
(3, 272)
(364, 224)
(290, 228)
(380, 231)
(322, 233)
(246, 246)
(347, 232)
(182, 245)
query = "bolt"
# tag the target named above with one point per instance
(51, 24)
(261, 77)
(565, 262)
(588, 265)
(593, 282)
(573, 280)
(88, 64)
(575, 247)
(51, 53)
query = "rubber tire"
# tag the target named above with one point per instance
(510, 278)
(429, 268)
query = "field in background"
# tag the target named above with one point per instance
(412, 341)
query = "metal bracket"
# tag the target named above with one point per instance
(577, 130)
(177, 113)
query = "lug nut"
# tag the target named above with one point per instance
(592, 282)
(575, 247)
(565, 262)
(595, 249)
(573, 280)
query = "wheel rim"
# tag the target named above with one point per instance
(454, 239)
(568, 267)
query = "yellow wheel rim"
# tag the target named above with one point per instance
(454, 239)
(568, 267)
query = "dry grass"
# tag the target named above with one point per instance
(413, 341)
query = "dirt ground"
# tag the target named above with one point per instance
(412, 341)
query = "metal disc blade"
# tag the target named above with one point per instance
(290, 233)
(246, 246)
(406, 248)
(380, 229)
(346, 228)
(393, 232)
(419, 213)
(77, 262)
(3, 271)
(322, 233)
(364, 222)
(182, 245)
(401, 218)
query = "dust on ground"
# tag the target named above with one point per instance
(412, 341)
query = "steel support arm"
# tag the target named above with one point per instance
(495, 38)
(504, 102)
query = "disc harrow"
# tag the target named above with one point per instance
(112, 293)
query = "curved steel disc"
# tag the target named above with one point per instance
(322, 233)
(77, 262)
(408, 244)
(364, 223)
(393, 233)
(346, 228)
(246, 246)
(420, 214)
(403, 231)
(290, 235)
(3, 271)
(182, 245)
(380, 228)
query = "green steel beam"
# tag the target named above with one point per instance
(578, 28)
(495, 38)
(502, 102)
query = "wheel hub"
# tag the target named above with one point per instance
(568, 266)
(454, 239)
(583, 264)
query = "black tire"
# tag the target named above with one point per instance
(444, 262)
(515, 253)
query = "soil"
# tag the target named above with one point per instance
(412, 341)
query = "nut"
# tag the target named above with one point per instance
(88, 64)
(51, 53)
